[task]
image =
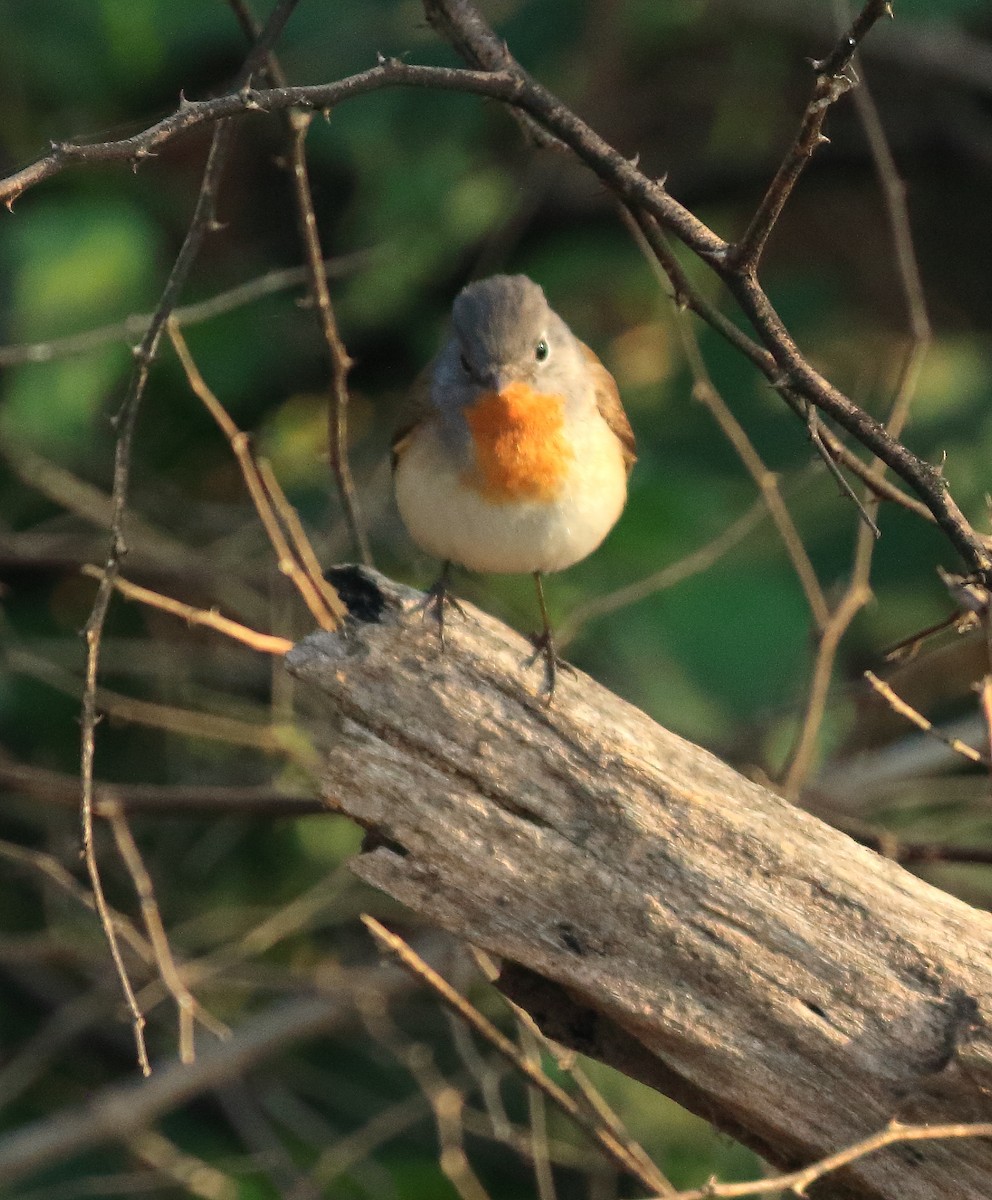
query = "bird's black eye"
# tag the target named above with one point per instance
(542, 350)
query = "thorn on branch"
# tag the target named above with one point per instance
(138, 157)
(847, 45)
(247, 96)
(813, 426)
(968, 591)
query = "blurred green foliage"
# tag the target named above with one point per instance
(438, 188)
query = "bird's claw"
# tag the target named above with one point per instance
(434, 602)
(544, 647)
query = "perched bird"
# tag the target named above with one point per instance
(514, 453)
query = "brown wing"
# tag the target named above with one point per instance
(416, 408)
(611, 408)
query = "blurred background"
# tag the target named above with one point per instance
(416, 194)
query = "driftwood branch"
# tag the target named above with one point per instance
(654, 908)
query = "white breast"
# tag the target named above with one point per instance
(453, 521)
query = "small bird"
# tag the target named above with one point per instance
(514, 452)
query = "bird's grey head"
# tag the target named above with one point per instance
(503, 330)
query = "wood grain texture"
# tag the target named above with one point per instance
(655, 908)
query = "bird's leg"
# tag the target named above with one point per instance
(438, 596)
(544, 642)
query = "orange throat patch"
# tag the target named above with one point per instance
(521, 452)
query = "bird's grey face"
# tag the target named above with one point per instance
(503, 331)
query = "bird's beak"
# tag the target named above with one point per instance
(498, 379)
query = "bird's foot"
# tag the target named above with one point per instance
(436, 599)
(544, 647)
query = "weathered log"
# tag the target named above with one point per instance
(656, 909)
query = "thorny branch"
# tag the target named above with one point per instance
(776, 354)
(204, 219)
(858, 592)
(512, 85)
(832, 81)
(339, 361)
(705, 392)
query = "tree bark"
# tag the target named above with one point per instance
(654, 908)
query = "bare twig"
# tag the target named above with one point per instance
(184, 315)
(168, 970)
(832, 81)
(318, 595)
(658, 581)
(900, 706)
(203, 220)
(798, 1181)
(48, 867)
(530, 1048)
(267, 1149)
(446, 1101)
(858, 591)
(93, 505)
(856, 596)
(413, 963)
(265, 738)
(301, 544)
(53, 787)
(766, 481)
(876, 483)
(203, 217)
(339, 360)
(685, 294)
(597, 1107)
(266, 643)
(335, 1160)
(194, 1175)
(815, 436)
(705, 393)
